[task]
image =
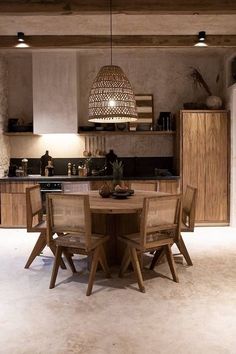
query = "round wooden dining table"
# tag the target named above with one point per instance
(114, 217)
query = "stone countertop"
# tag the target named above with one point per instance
(61, 178)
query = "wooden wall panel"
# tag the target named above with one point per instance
(216, 184)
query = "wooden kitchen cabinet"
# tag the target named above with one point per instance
(204, 138)
(13, 204)
(168, 186)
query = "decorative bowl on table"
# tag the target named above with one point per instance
(121, 195)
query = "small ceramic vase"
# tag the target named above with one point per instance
(214, 102)
(104, 191)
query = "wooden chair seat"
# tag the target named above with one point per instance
(70, 214)
(41, 226)
(159, 226)
(150, 238)
(78, 241)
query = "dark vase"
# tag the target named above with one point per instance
(104, 191)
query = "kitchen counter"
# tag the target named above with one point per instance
(77, 178)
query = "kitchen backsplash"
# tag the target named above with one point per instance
(133, 166)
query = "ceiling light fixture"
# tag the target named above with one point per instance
(201, 40)
(21, 41)
(111, 98)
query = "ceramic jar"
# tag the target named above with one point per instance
(104, 191)
(214, 102)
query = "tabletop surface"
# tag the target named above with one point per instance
(112, 205)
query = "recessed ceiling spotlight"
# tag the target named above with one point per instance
(21, 41)
(201, 40)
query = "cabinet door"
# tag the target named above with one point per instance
(55, 93)
(13, 203)
(13, 210)
(193, 157)
(216, 166)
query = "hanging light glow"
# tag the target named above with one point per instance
(111, 98)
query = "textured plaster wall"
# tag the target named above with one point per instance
(20, 94)
(4, 141)
(72, 145)
(162, 72)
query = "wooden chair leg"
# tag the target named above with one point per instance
(171, 263)
(137, 269)
(181, 246)
(56, 264)
(69, 260)
(103, 262)
(93, 270)
(125, 262)
(53, 249)
(38, 247)
(159, 254)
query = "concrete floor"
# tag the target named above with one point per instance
(198, 315)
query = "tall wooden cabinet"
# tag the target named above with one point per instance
(204, 151)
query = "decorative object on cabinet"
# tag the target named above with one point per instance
(212, 102)
(111, 98)
(144, 104)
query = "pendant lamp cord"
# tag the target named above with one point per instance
(111, 28)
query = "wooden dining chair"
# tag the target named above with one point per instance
(189, 209)
(36, 223)
(159, 226)
(188, 222)
(144, 186)
(75, 187)
(70, 215)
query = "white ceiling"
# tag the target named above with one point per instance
(123, 24)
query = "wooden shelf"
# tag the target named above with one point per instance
(148, 132)
(102, 133)
(19, 134)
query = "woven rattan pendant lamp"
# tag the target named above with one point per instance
(111, 98)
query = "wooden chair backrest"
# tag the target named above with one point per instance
(161, 214)
(75, 187)
(189, 207)
(144, 186)
(34, 206)
(69, 213)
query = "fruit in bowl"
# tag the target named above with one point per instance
(119, 189)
